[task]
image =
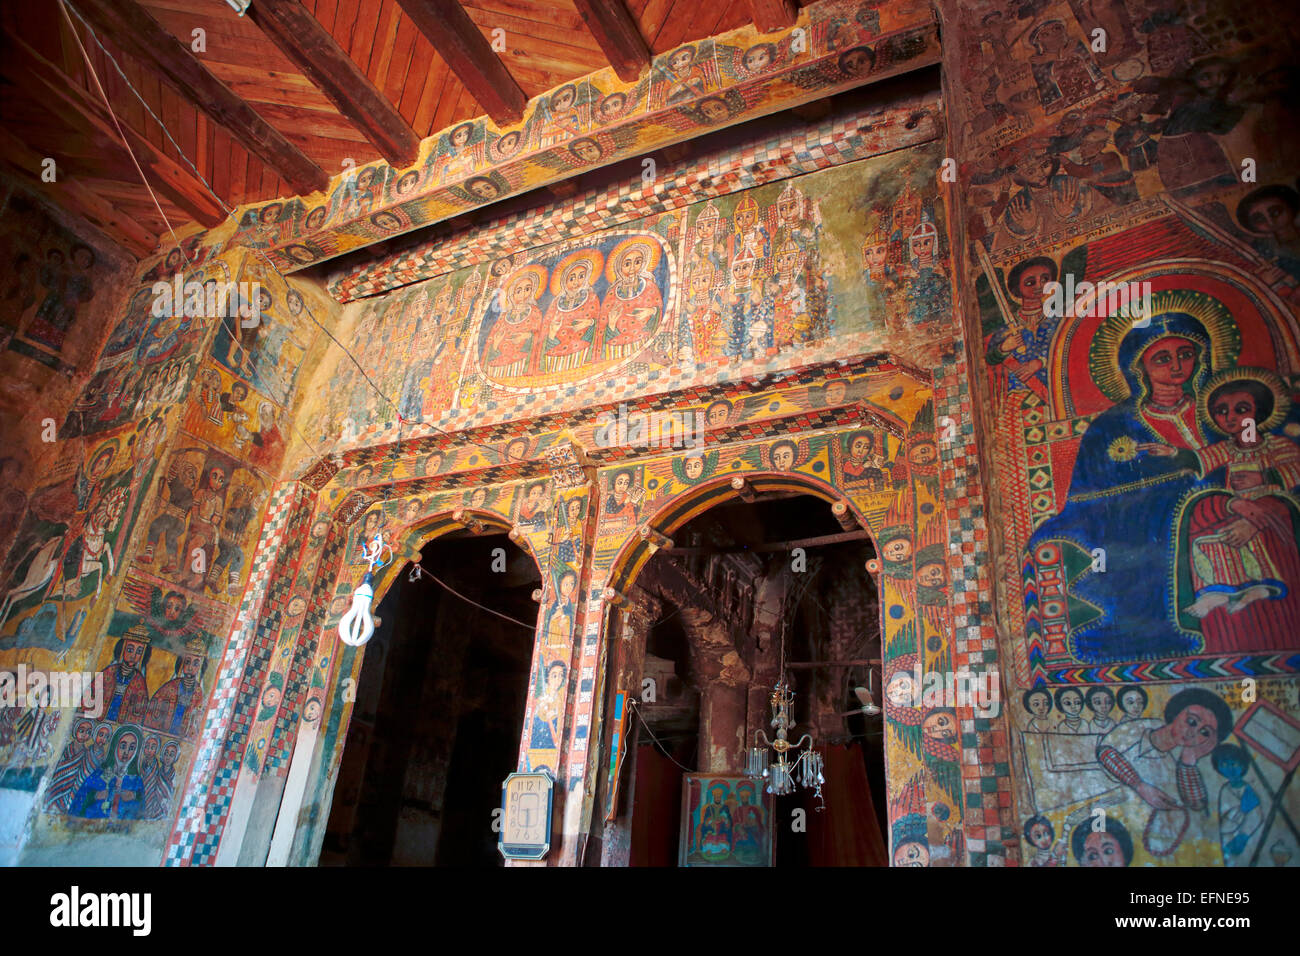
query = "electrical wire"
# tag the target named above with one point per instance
(513, 620)
(636, 710)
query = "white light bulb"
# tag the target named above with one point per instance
(357, 626)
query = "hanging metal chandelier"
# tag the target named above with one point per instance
(780, 775)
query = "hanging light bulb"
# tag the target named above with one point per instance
(357, 626)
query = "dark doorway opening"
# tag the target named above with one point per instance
(733, 583)
(439, 711)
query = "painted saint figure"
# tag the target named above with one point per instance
(115, 790)
(176, 707)
(126, 695)
(1238, 552)
(574, 311)
(1157, 759)
(514, 344)
(632, 306)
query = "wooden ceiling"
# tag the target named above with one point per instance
(281, 98)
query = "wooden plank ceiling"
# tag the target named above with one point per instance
(311, 85)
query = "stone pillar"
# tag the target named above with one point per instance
(723, 678)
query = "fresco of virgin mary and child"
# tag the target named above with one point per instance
(1172, 502)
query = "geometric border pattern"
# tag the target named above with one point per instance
(197, 829)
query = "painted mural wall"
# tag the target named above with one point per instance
(1149, 576)
(841, 262)
(56, 299)
(134, 547)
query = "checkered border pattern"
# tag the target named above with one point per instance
(211, 783)
(831, 143)
(988, 821)
(578, 404)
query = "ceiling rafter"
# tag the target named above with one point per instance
(24, 162)
(77, 109)
(315, 51)
(447, 26)
(772, 15)
(617, 35)
(133, 29)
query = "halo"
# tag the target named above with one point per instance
(653, 255)
(516, 277)
(591, 257)
(1214, 316)
(1270, 380)
(112, 443)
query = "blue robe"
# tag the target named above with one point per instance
(1129, 508)
(84, 804)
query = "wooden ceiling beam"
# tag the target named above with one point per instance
(133, 29)
(75, 198)
(77, 109)
(453, 34)
(318, 55)
(617, 35)
(772, 15)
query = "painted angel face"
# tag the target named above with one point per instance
(931, 575)
(923, 453)
(483, 188)
(612, 105)
(1032, 280)
(714, 110)
(586, 150)
(693, 467)
(940, 726)
(911, 854)
(173, 605)
(898, 549)
(758, 58)
(901, 689)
